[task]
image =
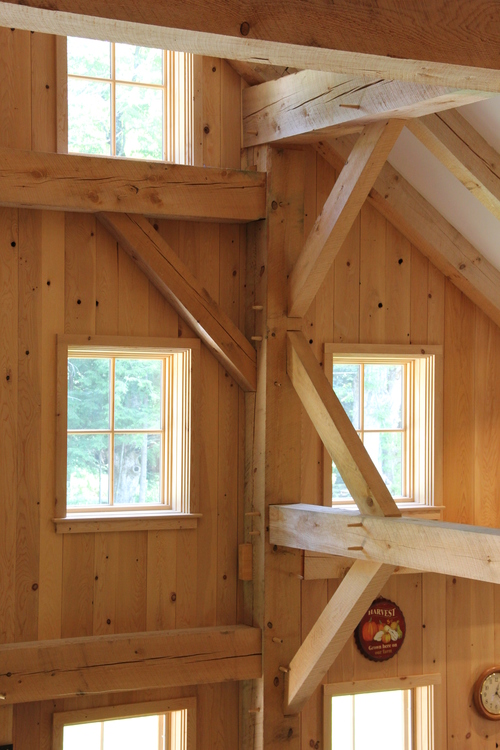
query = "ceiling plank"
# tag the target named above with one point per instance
(334, 427)
(310, 105)
(425, 228)
(339, 213)
(71, 182)
(439, 44)
(44, 670)
(461, 149)
(332, 630)
(430, 546)
(187, 296)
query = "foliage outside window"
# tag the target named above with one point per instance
(126, 100)
(389, 395)
(127, 427)
(162, 725)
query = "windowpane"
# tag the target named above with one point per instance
(339, 489)
(342, 723)
(140, 64)
(346, 380)
(139, 122)
(88, 470)
(82, 737)
(383, 397)
(386, 451)
(138, 394)
(370, 731)
(89, 57)
(137, 469)
(88, 393)
(89, 117)
(131, 734)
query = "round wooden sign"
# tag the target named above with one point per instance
(381, 632)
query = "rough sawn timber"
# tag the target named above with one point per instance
(43, 670)
(71, 182)
(187, 296)
(439, 43)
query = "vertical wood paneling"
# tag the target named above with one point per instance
(106, 574)
(397, 287)
(211, 108)
(106, 301)
(434, 626)
(78, 585)
(162, 579)
(80, 273)
(372, 280)
(419, 297)
(15, 88)
(43, 92)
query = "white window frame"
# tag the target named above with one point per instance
(185, 384)
(178, 103)
(127, 711)
(424, 439)
(422, 697)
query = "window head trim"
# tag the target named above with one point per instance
(184, 414)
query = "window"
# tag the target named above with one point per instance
(390, 394)
(378, 714)
(161, 725)
(125, 436)
(125, 100)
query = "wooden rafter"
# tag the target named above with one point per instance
(310, 105)
(42, 670)
(70, 182)
(431, 546)
(193, 303)
(339, 213)
(420, 223)
(461, 149)
(341, 440)
(425, 43)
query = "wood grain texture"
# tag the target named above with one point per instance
(339, 213)
(185, 293)
(84, 183)
(50, 669)
(310, 105)
(436, 44)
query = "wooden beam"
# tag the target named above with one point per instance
(44, 670)
(339, 213)
(435, 237)
(310, 105)
(334, 427)
(430, 546)
(88, 183)
(461, 149)
(185, 293)
(331, 631)
(439, 43)
(319, 566)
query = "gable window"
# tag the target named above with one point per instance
(160, 725)
(126, 100)
(352, 714)
(124, 440)
(389, 394)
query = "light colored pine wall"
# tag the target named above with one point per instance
(452, 623)
(65, 273)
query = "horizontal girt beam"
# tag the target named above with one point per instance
(461, 149)
(439, 43)
(428, 230)
(320, 567)
(71, 182)
(430, 546)
(108, 664)
(188, 297)
(310, 105)
(339, 213)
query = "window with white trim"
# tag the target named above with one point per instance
(378, 714)
(125, 434)
(392, 397)
(160, 725)
(127, 100)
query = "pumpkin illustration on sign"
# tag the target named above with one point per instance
(381, 632)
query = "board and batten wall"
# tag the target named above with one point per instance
(453, 625)
(63, 273)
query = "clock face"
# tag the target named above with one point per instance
(490, 693)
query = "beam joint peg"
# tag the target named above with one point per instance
(257, 307)
(256, 338)
(254, 533)
(285, 670)
(277, 640)
(354, 525)
(255, 710)
(355, 548)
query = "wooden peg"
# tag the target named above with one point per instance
(277, 640)
(284, 669)
(355, 548)
(354, 525)
(257, 307)
(351, 106)
(254, 710)
(253, 513)
(254, 533)
(256, 338)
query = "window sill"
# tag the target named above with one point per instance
(91, 523)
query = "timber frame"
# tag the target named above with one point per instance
(273, 362)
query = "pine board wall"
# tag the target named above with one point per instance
(64, 273)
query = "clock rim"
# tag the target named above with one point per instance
(477, 693)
